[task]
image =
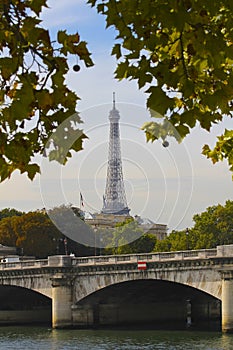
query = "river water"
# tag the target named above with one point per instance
(41, 338)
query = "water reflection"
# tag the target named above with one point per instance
(22, 338)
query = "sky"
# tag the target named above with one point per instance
(167, 185)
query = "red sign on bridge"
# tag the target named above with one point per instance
(142, 265)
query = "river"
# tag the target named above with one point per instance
(42, 338)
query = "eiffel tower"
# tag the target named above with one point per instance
(114, 200)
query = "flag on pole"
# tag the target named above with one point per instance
(81, 200)
(104, 201)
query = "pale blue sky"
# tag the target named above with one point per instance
(166, 185)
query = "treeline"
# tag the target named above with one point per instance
(211, 228)
(35, 234)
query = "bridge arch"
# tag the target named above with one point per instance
(19, 305)
(38, 283)
(205, 281)
(149, 303)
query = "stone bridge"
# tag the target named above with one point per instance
(89, 291)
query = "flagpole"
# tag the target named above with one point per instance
(81, 204)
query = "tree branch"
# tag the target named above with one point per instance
(182, 56)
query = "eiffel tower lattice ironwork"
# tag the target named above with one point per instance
(114, 200)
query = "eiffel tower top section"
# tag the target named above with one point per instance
(114, 115)
(114, 200)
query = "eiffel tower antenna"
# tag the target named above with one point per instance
(114, 101)
(114, 200)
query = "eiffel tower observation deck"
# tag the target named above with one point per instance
(114, 200)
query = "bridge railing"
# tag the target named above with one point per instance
(62, 260)
(118, 259)
(23, 264)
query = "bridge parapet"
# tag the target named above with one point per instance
(225, 250)
(23, 264)
(131, 258)
(59, 260)
(65, 261)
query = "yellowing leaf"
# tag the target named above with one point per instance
(44, 99)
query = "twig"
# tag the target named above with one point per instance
(182, 56)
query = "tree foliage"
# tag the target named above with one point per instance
(33, 232)
(181, 52)
(211, 228)
(37, 235)
(8, 212)
(176, 241)
(70, 221)
(216, 223)
(128, 238)
(34, 97)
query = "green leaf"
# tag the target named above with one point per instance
(158, 101)
(143, 79)
(36, 5)
(182, 130)
(8, 67)
(116, 51)
(122, 70)
(44, 98)
(32, 170)
(84, 54)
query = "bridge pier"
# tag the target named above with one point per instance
(227, 302)
(61, 302)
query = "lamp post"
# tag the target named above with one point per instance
(95, 230)
(187, 238)
(65, 244)
(57, 244)
(58, 241)
(101, 241)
